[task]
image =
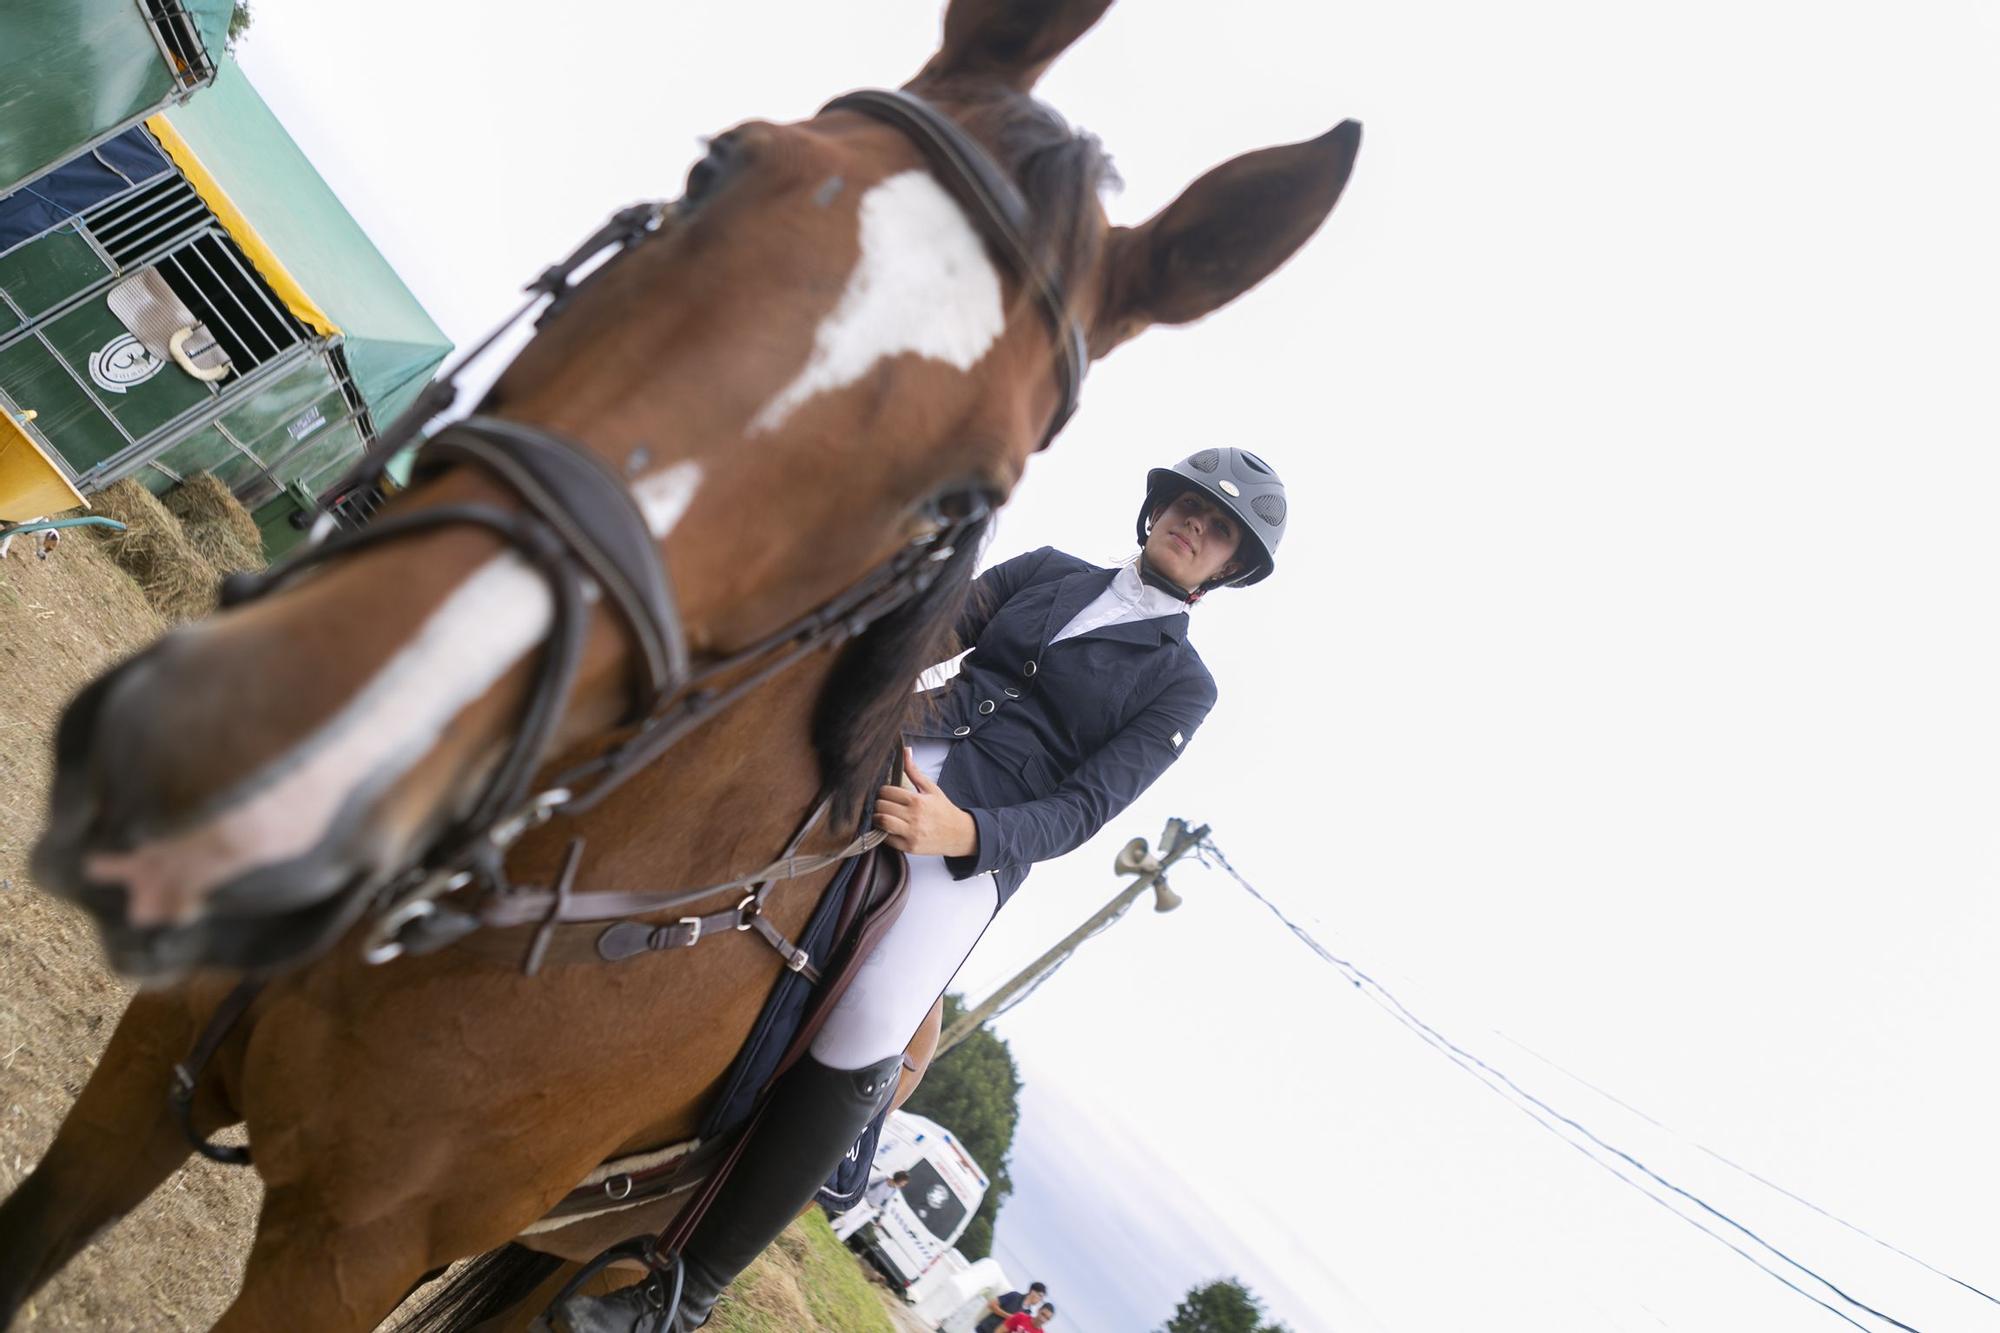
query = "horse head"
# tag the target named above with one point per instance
(820, 354)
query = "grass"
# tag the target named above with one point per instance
(174, 1262)
(156, 551)
(808, 1280)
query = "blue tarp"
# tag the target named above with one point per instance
(80, 184)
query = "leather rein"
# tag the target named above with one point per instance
(581, 530)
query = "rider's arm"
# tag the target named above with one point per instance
(1101, 787)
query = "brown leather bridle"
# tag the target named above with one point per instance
(578, 526)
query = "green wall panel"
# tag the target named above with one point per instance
(239, 473)
(207, 450)
(143, 407)
(329, 448)
(45, 272)
(261, 421)
(69, 71)
(68, 418)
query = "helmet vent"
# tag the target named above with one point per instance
(1256, 462)
(1206, 461)
(1270, 508)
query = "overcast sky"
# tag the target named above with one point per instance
(1628, 684)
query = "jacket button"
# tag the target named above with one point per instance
(1011, 692)
(961, 731)
(1028, 670)
(986, 705)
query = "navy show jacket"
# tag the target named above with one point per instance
(1051, 741)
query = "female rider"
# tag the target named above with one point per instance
(1080, 689)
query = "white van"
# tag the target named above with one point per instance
(958, 1303)
(919, 1224)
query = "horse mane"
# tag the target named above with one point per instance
(870, 697)
(1061, 172)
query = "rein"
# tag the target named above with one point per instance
(581, 530)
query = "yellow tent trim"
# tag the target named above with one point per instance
(31, 483)
(239, 228)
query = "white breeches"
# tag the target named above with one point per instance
(895, 988)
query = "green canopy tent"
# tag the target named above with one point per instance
(297, 222)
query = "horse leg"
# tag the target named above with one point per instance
(310, 1269)
(115, 1147)
(352, 1221)
(307, 1274)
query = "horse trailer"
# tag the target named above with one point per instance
(185, 294)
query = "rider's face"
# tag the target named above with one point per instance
(1193, 540)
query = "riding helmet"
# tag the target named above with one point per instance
(1240, 482)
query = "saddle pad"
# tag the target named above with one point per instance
(848, 907)
(623, 1182)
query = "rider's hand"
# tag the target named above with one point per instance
(924, 822)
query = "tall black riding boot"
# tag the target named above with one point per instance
(814, 1117)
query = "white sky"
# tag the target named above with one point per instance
(1628, 684)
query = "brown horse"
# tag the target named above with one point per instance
(812, 349)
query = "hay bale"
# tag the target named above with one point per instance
(219, 526)
(154, 549)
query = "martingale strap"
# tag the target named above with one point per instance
(556, 906)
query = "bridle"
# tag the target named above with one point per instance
(580, 529)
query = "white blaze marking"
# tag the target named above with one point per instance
(923, 285)
(665, 496)
(488, 624)
(466, 645)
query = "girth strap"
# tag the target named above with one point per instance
(523, 906)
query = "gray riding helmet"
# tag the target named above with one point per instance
(1240, 482)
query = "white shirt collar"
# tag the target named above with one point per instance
(1151, 601)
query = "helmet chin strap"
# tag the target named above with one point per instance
(1153, 577)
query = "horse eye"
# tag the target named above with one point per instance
(703, 177)
(706, 175)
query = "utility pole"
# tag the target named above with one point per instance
(1176, 840)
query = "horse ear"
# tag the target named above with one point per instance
(1011, 41)
(1225, 234)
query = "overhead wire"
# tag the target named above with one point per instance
(1505, 1087)
(1738, 1167)
(1050, 970)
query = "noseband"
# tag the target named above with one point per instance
(580, 529)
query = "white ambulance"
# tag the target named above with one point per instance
(918, 1225)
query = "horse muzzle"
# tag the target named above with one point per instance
(167, 902)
